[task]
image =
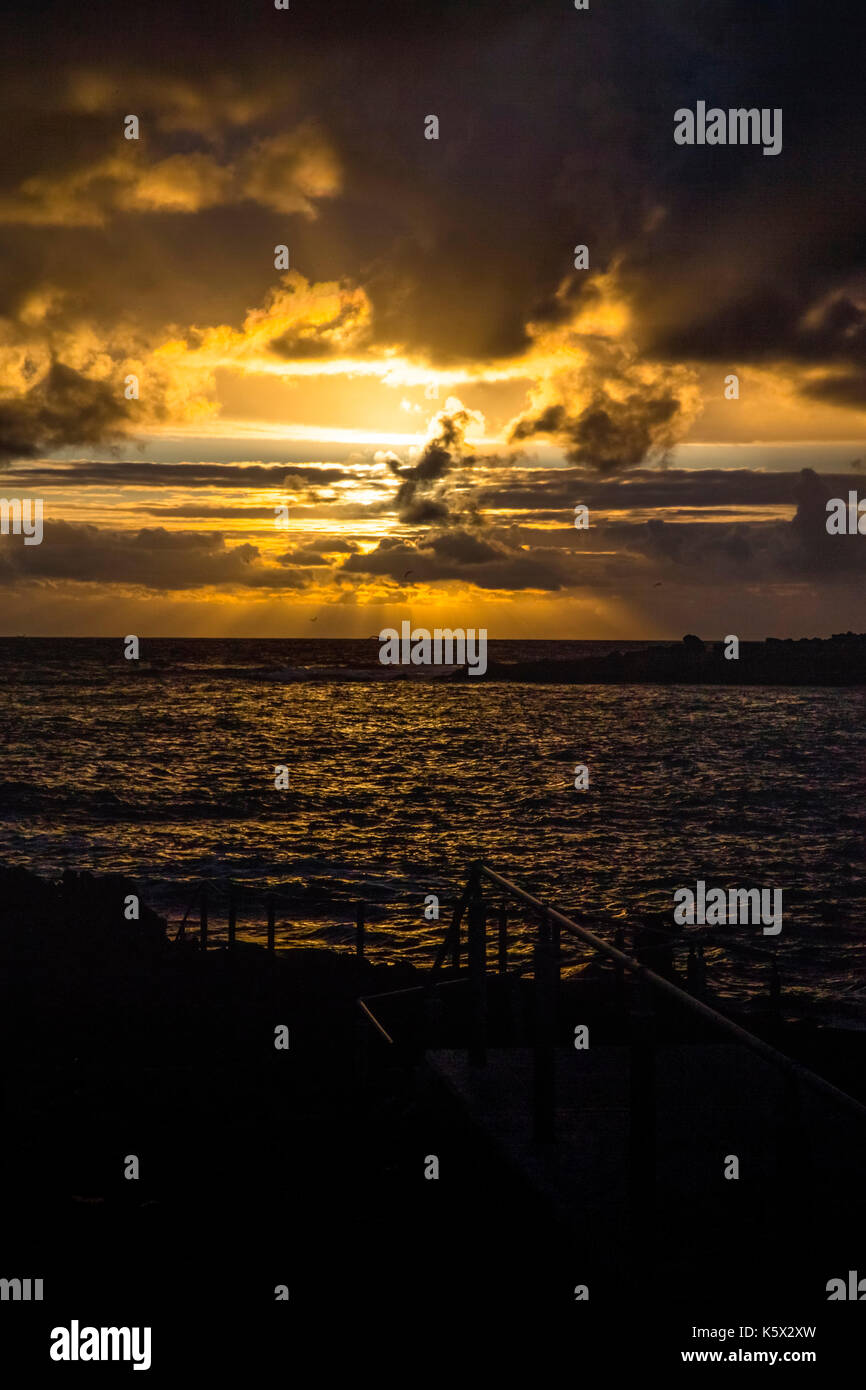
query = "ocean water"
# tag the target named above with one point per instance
(164, 769)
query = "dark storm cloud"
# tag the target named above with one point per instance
(768, 323)
(815, 552)
(321, 338)
(618, 552)
(843, 388)
(541, 490)
(427, 494)
(64, 408)
(318, 551)
(197, 511)
(759, 552)
(556, 127)
(150, 558)
(566, 136)
(457, 555)
(609, 434)
(134, 473)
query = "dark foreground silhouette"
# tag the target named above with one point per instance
(262, 1167)
(837, 660)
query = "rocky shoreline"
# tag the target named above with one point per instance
(839, 660)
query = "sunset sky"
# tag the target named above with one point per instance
(431, 386)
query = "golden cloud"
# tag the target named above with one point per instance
(202, 107)
(287, 172)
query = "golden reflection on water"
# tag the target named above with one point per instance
(170, 779)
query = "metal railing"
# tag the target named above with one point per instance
(550, 925)
(203, 893)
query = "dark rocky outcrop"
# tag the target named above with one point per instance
(832, 661)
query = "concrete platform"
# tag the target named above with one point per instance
(712, 1101)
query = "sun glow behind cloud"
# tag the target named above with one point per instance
(426, 282)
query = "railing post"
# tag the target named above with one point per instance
(271, 921)
(451, 939)
(692, 971)
(232, 914)
(181, 935)
(203, 917)
(696, 972)
(359, 930)
(546, 972)
(478, 970)
(455, 947)
(642, 1119)
(503, 938)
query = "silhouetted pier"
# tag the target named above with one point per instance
(655, 1129)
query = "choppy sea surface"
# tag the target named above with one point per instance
(164, 769)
